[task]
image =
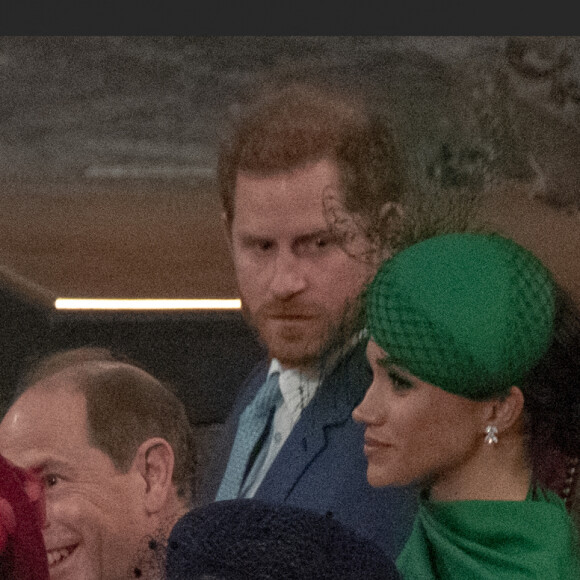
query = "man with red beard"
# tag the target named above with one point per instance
(298, 162)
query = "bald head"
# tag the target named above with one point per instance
(125, 405)
(112, 446)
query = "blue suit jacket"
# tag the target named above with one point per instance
(322, 467)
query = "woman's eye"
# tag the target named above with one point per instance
(400, 383)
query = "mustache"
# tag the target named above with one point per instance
(281, 310)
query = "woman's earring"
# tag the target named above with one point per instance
(490, 434)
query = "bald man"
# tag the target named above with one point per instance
(113, 448)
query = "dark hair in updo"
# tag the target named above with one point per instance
(552, 406)
(552, 388)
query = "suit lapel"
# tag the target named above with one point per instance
(332, 405)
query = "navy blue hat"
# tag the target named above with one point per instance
(246, 539)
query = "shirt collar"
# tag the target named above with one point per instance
(298, 387)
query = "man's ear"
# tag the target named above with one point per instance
(154, 461)
(505, 412)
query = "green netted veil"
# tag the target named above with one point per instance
(471, 313)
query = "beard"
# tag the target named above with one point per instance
(301, 335)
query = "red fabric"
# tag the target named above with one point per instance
(22, 551)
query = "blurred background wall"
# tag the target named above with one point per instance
(108, 144)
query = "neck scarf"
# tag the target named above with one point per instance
(492, 540)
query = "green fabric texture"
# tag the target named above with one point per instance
(492, 540)
(470, 313)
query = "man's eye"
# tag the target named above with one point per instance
(315, 245)
(256, 245)
(325, 240)
(264, 245)
(50, 480)
(259, 245)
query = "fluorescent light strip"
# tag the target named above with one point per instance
(146, 304)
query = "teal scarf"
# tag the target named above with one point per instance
(495, 540)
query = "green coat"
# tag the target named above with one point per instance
(495, 540)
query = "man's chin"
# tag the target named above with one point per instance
(296, 344)
(294, 354)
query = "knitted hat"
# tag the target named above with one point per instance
(247, 539)
(469, 313)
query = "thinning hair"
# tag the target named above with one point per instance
(286, 128)
(126, 405)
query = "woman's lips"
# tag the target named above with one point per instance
(372, 445)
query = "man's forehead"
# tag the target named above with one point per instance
(37, 460)
(296, 218)
(324, 172)
(44, 426)
(53, 402)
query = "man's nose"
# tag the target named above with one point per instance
(289, 276)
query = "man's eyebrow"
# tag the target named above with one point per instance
(248, 237)
(322, 233)
(48, 465)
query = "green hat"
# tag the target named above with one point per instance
(469, 313)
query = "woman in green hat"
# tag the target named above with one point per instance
(476, 361)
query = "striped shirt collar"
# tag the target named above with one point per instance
(298, 387)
